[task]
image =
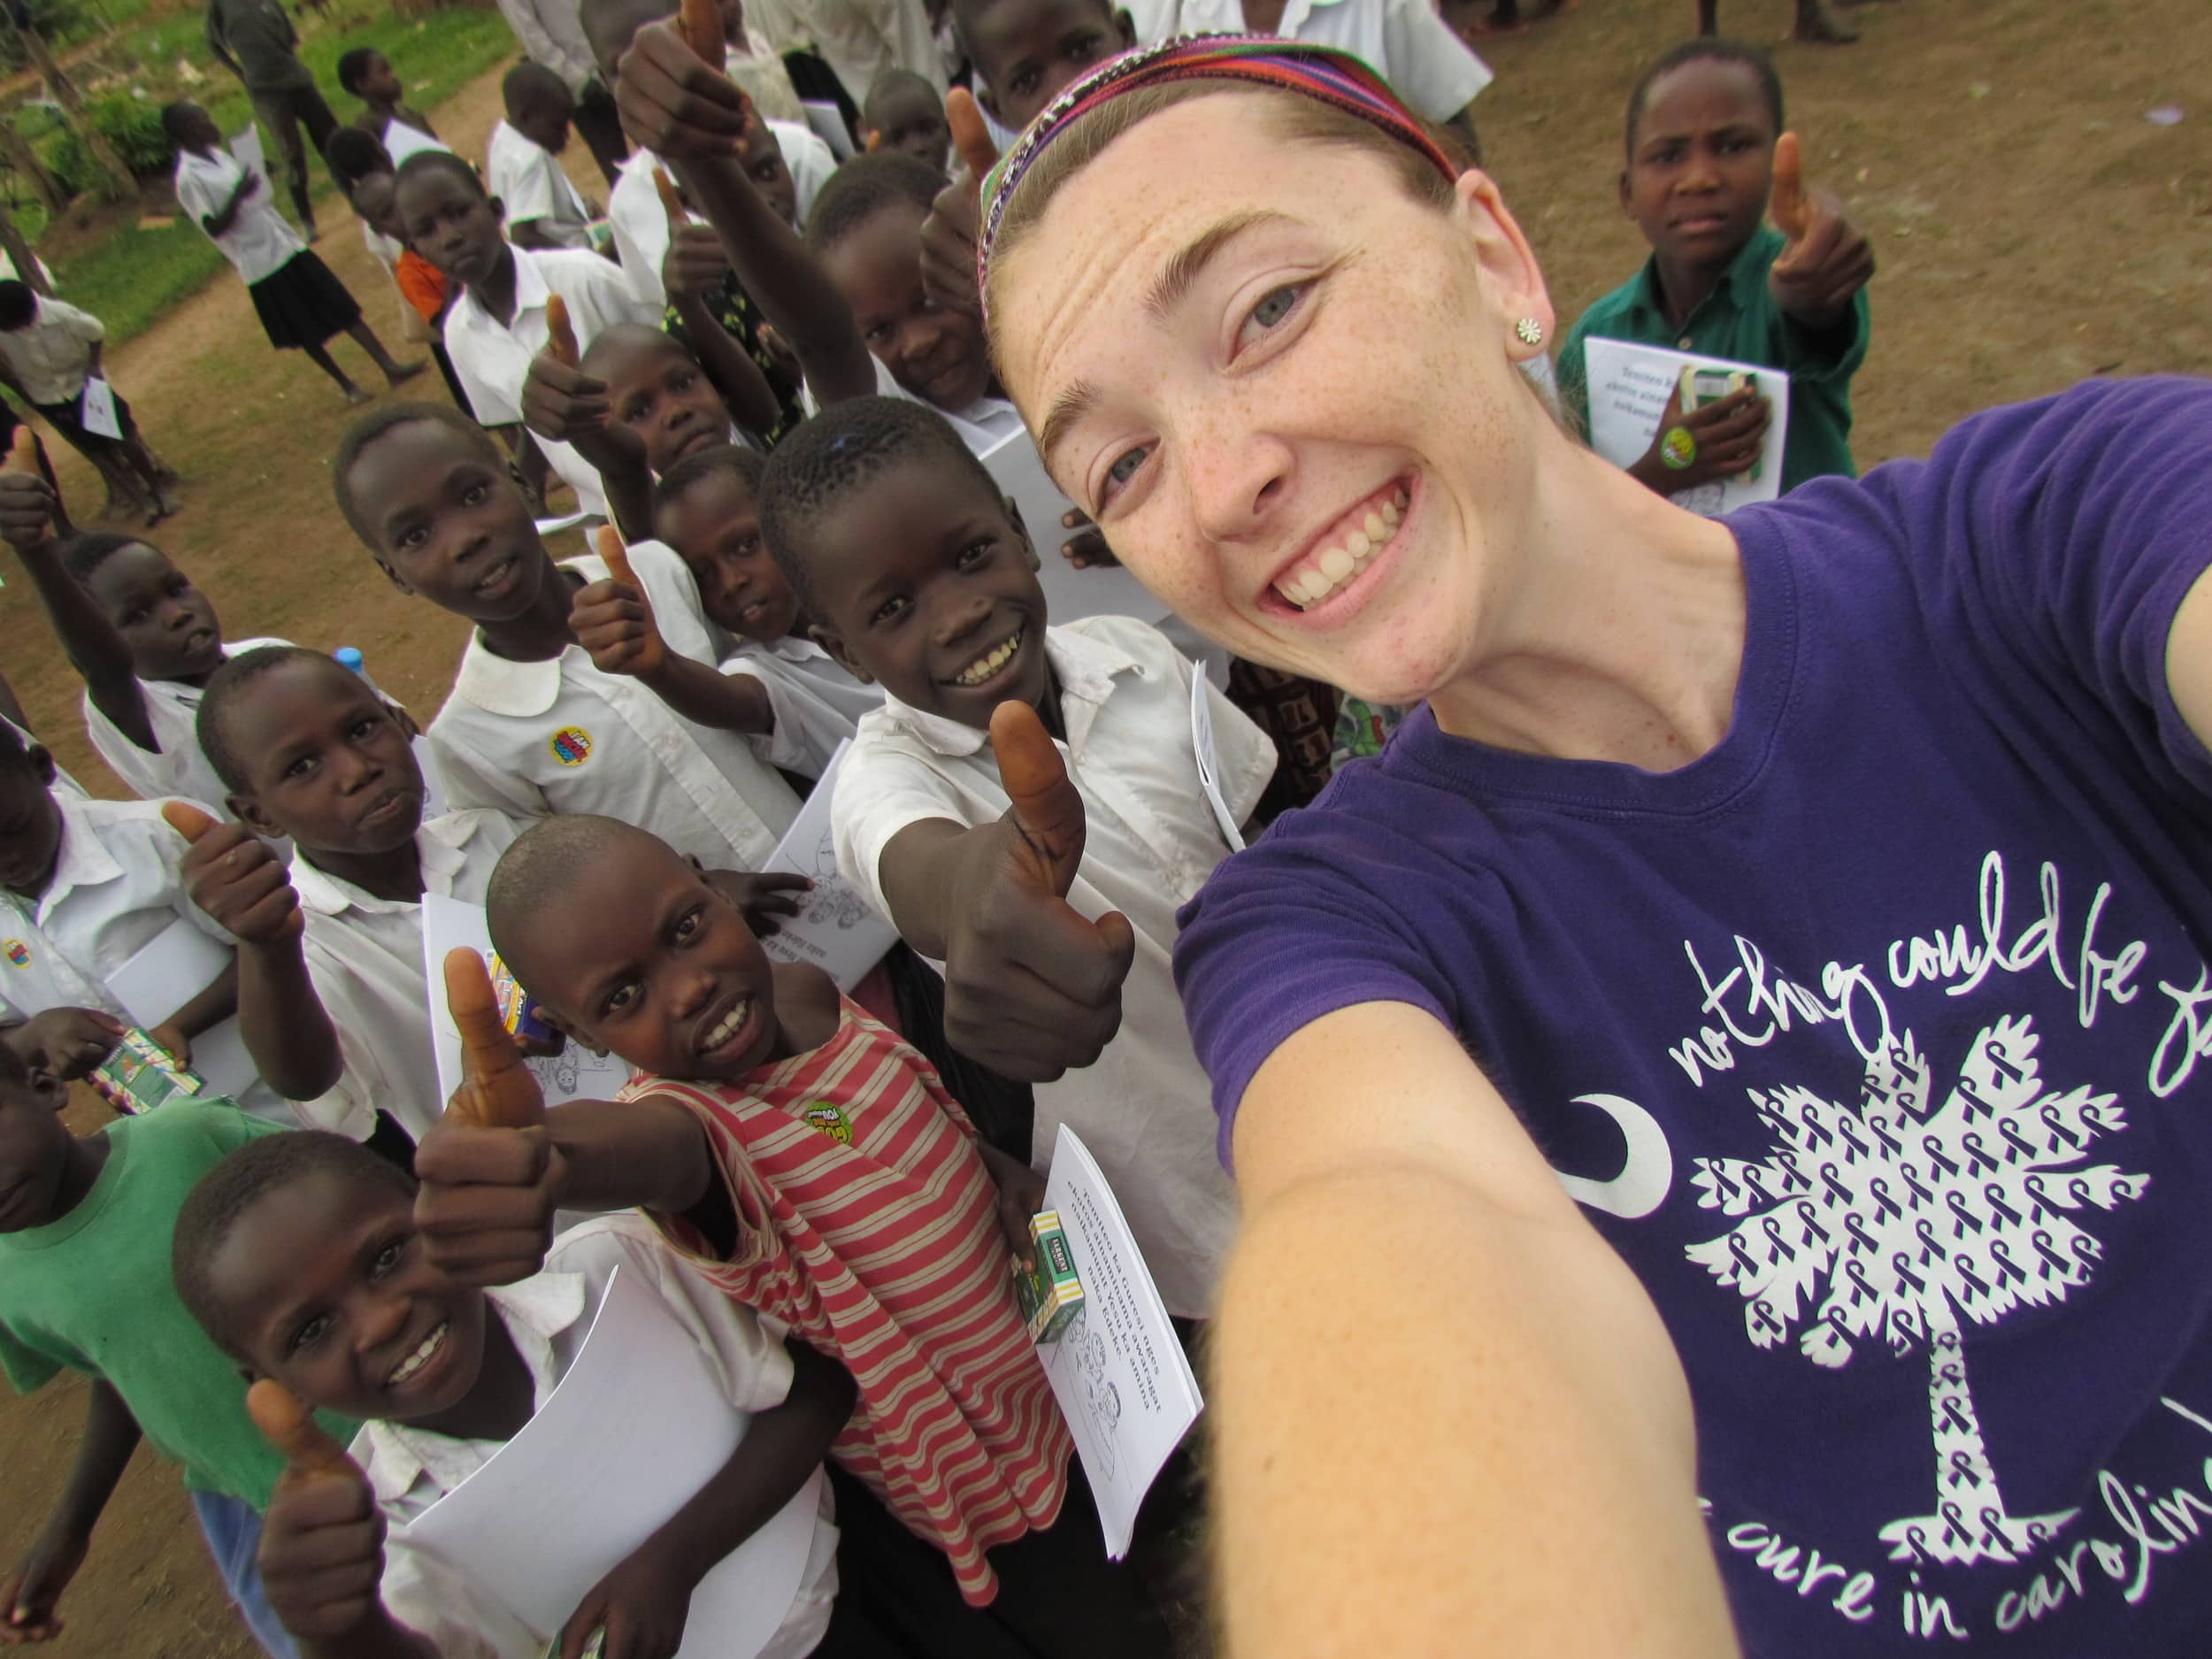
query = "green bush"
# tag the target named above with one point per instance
(133, 126)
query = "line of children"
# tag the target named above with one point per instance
(1708, 156)
(522, 162)
(300, 303)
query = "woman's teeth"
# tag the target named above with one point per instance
(1311, 581)
(420, 1358)
(987, 664)
(729, 1025)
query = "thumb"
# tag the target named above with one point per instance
(971, 138)
(187, 819)
(291, 1428)
(497, 1090)
(701, 21)
(22, 449)
(671, 200)
(1787, 204)
(618, 558)
(1047, 808)
(560, 335)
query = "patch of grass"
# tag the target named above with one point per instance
(131, 277)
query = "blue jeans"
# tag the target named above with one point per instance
(233, 1529)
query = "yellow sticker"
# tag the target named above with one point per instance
(18, 952)
(570, 745)
(829, 1118)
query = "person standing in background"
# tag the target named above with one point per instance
(255, 40)
(552, 33)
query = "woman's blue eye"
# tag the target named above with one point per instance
(1274, 307)
(1125, 466)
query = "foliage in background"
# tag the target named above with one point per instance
(132, 125)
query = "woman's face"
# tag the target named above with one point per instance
(1286, 389)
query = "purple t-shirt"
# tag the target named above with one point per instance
(1878, 1040)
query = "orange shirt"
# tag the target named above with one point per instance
(421, 284)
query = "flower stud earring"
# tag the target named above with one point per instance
(1531, 331)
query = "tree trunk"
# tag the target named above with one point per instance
(23, 159)
(116, 178)
(27, 266)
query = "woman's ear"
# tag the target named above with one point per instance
(1512, 278)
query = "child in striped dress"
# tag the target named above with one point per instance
(811, 1163)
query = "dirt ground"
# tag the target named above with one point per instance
(2033, 229)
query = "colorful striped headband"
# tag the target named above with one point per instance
(1321, 73)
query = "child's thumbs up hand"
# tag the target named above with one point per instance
(1033, 986)
(236, 878)
(701, 24)
(491, 1176)
(26, 501)
(560, 333)
(322, 1539)
(954, 222)
(675, 98)
(695, 264)
(1824, 261)
(613, 619)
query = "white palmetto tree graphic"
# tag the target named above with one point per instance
(1900, 1218)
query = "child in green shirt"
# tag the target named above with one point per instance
(1705, 149)
(84, 1226)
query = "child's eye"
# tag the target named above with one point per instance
(411, 538)
(1274, 308)
(308, 1332)
(300, 768)
(389, 1257)
(132, 618)
(1082, 49)
(685, 380)
(634, 414)
(1024, 83)
(891, 610)
(976, 553)
(880, 335)
(687, 926)
(621, 1000)
(475, 495)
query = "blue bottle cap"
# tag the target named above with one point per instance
(348, 656)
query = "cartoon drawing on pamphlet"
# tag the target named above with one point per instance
(1909, 1215)
(833, 902)
(1100, 1396)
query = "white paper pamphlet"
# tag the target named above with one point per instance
(562, 521)
(246, 151)
(97, 411)
(169, 971)
(838, 930)
(433, 797)
(627, 1439)
(1201, 742)
(1069, 593)
(829, 125)
(1120, 1376)
(575, 1073)
(1629, 386)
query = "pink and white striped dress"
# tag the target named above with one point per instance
(868, 1224)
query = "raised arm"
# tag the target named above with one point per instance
(690, 272)
(1531, 1487)
(672, 102)
(613, 621)
(95, 646)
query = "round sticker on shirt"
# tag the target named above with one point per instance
(570, 745)
(829, 1118)
(18, 952)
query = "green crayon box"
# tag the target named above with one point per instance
(1049, 1293)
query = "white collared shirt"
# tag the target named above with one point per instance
(180, 768)
(534, 739)
(548, 1315)
(533, 188)
(364, 954)
(492, 358)
(258, 241)
(640, 222)
(1150, 843)
(64, 784)
(817, 703)
(402, 140)
(983, 425)
(51, 353)
(1404, 41)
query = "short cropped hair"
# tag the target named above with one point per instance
(175, 114)
(541, 862)
(353, 66)
(530, 85)
(17, 304)
(226, 1193)
(720, 460)
(862, 187)
(616, 336)
(1708, 50)
(381, 421)
(847, 447)
(225, 687)
(428, 161)
(888, 85)
(84, 553)
(354, 153)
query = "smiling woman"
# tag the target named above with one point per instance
(1672, 775)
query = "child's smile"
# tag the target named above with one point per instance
(450, 524)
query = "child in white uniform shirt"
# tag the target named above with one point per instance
(522, 163)
(299, 302)
(48, 353)
(294, 1252)
(532, 727)
(333, 992)
(143, 637)
(85, 887)
(499, 322)
(920, 578)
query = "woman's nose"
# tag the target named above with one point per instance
(1236, 482)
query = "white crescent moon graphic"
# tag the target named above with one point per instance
(1646, 1172)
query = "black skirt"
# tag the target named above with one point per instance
(300, 304)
